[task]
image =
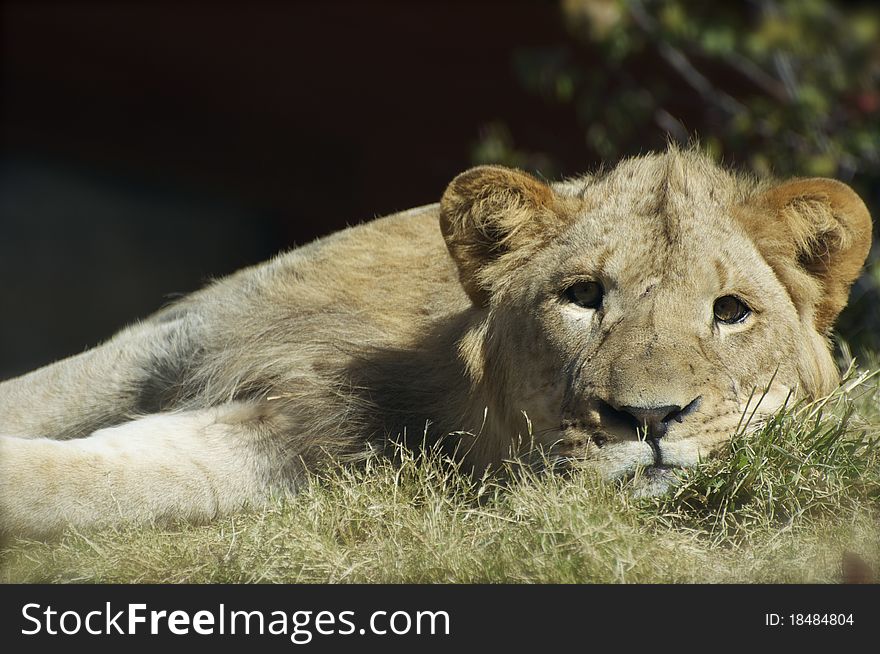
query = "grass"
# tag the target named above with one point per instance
(785, 504)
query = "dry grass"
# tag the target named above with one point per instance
(784, 505)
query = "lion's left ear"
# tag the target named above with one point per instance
(815, 234)
(492, 217)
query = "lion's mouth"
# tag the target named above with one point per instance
(637, 464)
(649, 466)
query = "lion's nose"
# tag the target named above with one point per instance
(654, 421)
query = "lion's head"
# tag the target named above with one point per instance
(637, 314)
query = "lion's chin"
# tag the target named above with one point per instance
(653, 481)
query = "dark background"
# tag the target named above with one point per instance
(150, 146)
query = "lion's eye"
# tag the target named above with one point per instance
(730, 310)
(585, 294)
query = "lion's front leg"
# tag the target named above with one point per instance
(100, 387)
(192, 465)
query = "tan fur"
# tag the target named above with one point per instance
(451, 323)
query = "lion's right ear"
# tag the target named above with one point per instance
(492, 217)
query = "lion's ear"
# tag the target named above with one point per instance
(816, 234)
(492, 217)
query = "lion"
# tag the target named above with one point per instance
(624, 321)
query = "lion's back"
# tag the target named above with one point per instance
(376, 285)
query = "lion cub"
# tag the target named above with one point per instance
(621, 320)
